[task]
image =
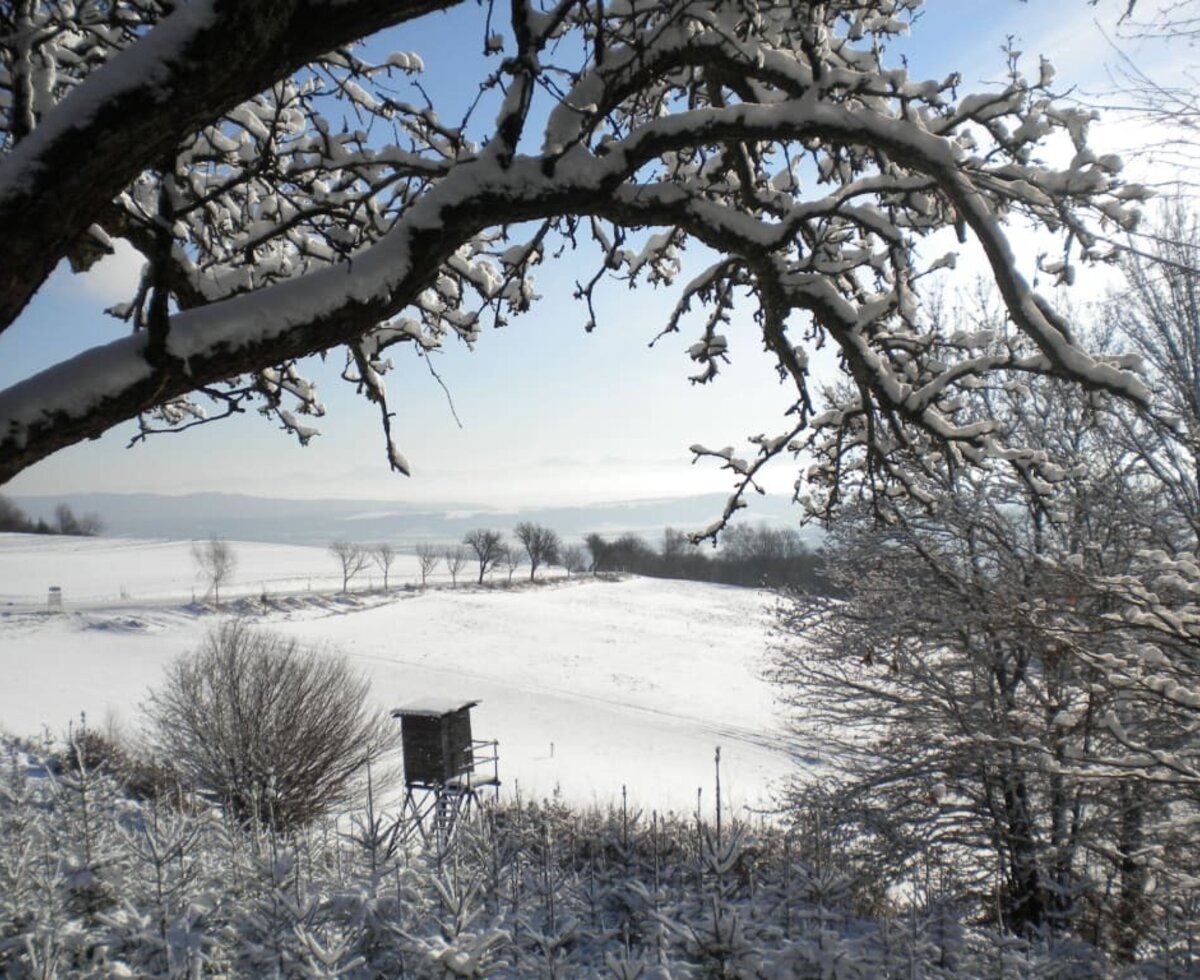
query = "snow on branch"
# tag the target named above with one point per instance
(308, 204)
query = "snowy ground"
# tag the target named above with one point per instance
(587, 685)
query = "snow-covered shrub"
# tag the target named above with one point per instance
(524, 891)
(278, 734)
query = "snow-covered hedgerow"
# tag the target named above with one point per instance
(93, 883)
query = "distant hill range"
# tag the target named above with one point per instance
(318, 522)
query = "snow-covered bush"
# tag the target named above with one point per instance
(277, 734)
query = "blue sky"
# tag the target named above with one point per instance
(549, 414)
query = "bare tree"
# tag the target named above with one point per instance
(541, 544)
(1157, 312)
(514, 558)
(66, 522)
(790, 146)
(455, 558)
(216, 561)
(630, 553)
(1167, 108)
(90, 524)
(427, 560)
(278, 733)
(598, 552)
(13, 518)
(574, 560)
(351, 557)
(488, 548)
(384, 556)
(975, 675)
(928, 680)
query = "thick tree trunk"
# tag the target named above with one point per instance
(1026, 906)
(1132, 907)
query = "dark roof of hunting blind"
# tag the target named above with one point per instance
(432, 707)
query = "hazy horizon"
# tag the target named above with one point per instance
(318, 521)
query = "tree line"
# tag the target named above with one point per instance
(754, 557)
(65, 521)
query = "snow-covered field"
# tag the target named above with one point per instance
(588, 685)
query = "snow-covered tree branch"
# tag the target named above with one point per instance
(287, 202)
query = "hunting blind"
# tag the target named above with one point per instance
(440, 756)
(436, 737)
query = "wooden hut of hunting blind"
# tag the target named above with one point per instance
(436, 738)
(439, 765)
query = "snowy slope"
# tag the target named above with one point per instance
(112, 570)
(588, 685)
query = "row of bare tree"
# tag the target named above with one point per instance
(536, 546)
(749, 556)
